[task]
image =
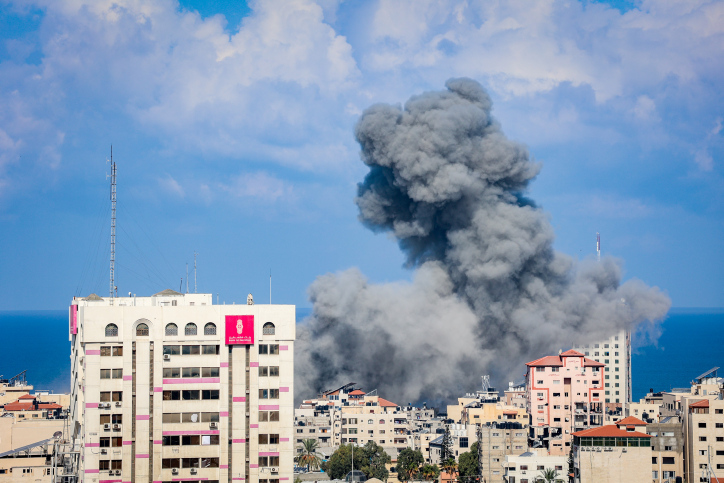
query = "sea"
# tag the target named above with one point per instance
(686, 344)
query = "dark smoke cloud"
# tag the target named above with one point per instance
(489, 292)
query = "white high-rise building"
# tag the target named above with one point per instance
(172, 388)
(615, 353)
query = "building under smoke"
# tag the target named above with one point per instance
(489, 292)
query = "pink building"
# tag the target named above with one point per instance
(565, 394)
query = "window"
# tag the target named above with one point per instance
(117, 373)
(141, 330)
(171, 372)
(189, 462)
(668, 460)
(268, 329)
(190, 329)
(263, 371)
(210, 349)
(171, 440)
(273, 349)
(463, 442)
(209, 372)
(108, 396)
(210, 394)
(702, 438)
(190, 395)
(105, 373)
(191, 372)
(106, 351)
(274, 371)
(111, 330)
(668, 448)
(702, 425)
(172, 329)
(170, 463)
(171, 418)
(172, 350)
(210, 329)
(209, 462)
(171, 395)
(190, 350)
(190, 440)
(719, 425)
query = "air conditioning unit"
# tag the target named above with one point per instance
(106, 426)
(194, 471)
(108, 405)
(116, 427)
(104, 451)
(167, 357)
(119, 404)
(174, 471)
(118, 472)
(214, 425)
(247, 413)
(274, 469)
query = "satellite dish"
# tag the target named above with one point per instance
(58, 434)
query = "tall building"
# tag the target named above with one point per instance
(564, 394)
(615, 353)
(174, 388)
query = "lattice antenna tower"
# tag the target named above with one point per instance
(113, 287)
(598, 246)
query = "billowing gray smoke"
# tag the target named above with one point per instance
(489, 292)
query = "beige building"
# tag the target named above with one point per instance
(613, 454)
(174, 388)
(565, 394)
(704, 432)
(667, 450)
(529, 466)
(615, 353)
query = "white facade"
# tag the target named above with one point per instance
(615, 352)
(158, 395)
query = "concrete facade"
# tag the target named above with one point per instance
(565, 394)
(528, 467)
(667, 451)
(158, 395)
(615, 353)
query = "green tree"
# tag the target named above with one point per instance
(449, 466)
(309, 456)
(340, 463)
(375, 459)
(549, 475)
(468, 464)
(429, 472)
(408, 464)
(446, 452)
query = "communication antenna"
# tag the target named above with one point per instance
(187, 277)
(195, 286)
(598, 246)
(270, 286)
(113, 225)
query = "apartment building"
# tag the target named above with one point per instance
(174, 388)
(615, 353)
(528, 467)
(564, 394)
(704, 432)
(667, 451)
(618, 453)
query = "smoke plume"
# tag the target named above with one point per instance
(489, 293)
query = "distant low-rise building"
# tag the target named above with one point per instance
(528, 467)
(667, 451)
(613, 453)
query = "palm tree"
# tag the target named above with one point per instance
(548, 475)
(309, 456)
(450, 467)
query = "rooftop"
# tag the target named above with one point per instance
(609, 431)
(631, 421)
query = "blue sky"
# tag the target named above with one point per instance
(232, 126)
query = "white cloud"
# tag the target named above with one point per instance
(704, 160)
(645, 108)
(171, 186)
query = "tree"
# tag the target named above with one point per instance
(309, 456)
(408, 464)
(468, 464)
(429, 472)
(549, 475)
(375, 461)
(446, 452)
(449, 466)
(340, 463)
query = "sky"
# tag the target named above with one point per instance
(232, 127)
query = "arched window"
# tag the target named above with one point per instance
(171, 329)
(210, 329)
(141, 329)
(268, 329)
(190, 329)
(111, 330)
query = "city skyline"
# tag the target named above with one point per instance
(233, 130)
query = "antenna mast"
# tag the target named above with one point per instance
(187, 277)
(598, 246)
(270, 286)
(113, 225)
(195, 286)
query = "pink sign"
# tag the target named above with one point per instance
(239, 329)
(73, 319)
